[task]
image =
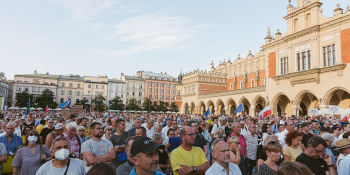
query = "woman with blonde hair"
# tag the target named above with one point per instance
(261, 153)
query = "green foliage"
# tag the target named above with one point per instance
(116, 104)
(22, 99)
(173, 107)
(147, 105)
(99, 103)
(46, 98)
(163, 106)
(133, 105)
(84, 102)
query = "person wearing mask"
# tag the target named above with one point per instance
(222, 164)
(315, 158)
(28, 158)
(125, 168)
(305, 129)
(55, 133)
(61, 164)
(186, 158)
(49, 128)
(73, 139)
(10, 141)
(137, 124)
(273, 151)
(118, 141)
(96, 150)
(292, 149)
(81, 134)
(199, 140)
(144, 155)
(252, 145)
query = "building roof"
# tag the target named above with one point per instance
(115, 81)
(71, 77)
(128, 77)
(161, 75)
(49, 76)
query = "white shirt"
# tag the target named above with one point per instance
(128, 125)
(282, 136)
(219, 170)
(149, 132)
(344, 166)
(340, 158)
(164, 131)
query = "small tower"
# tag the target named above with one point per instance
(278, 34)
(268, 37)
(212, 66)
(338, 10)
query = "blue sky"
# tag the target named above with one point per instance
(107, 37)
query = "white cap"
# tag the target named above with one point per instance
(58, 126)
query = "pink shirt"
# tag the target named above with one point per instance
(242, 142)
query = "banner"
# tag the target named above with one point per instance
(333, 109)
(313, 111)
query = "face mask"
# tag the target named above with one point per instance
(62, 154)
(32, 139)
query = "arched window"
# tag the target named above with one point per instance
(308, 20)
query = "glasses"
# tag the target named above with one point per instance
(318, 151)
(32, 135)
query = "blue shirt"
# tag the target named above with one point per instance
(10, 147)
(133, 172)
(329, 152)
(344, 166)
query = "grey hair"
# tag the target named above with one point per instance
(71, 124)
(157, 137)
(218, 130)
(80, 127)
(328, 137)
(212, 146)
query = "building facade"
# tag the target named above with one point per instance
(4, 91)
(159, 86)
(134, 88)
(94, 86)
(306, 67)
(34, 84)
(70, 87)
(116, 88)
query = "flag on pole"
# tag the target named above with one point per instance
(207, 113)
(240, 108)
(265, 112)
(46, 109)
(65, 104)
(28, 107)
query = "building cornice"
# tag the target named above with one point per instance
(234, 92)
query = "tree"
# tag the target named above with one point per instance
(84, 102)
(116, 104)
(163, 106)
(147, 105)
(22, 99)
(173, 107)
(133, 105)
(98, 101)
(46, 98)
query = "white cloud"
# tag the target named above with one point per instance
(150, 32)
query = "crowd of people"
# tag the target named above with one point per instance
(156, 144)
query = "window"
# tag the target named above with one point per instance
(284, 65)
(304, 60)
(150, 90)
(309, 59)
(167, 98)
(156, 97)
(103, 86)
(329, 56)
(264, 80)
(178, 93)
(140, 94)
(63, 84)
(89, 93)
(241, 84)
(231, 86)
(62, 92)
(140, 86)
(96, 86)
(155, 84)
(78, 93)
(149, 83)
(298, 61)
(252, 83)
(70, 92)
(89, 85)
(96, 92)
(78, 85)
(150, 96)
(70, 84)
(133, 92)
(139, 101)
(133, 85)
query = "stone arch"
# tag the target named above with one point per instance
(193, 108)
(246, 105)
(220, 107)
(338, 96)
(202, 108)
(304, 101)
(259, 103)
(187, 108)
(231, 106)
(211, 107)
(281, 105)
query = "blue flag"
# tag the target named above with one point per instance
(207, 113)
(28, 107)
(240, 108)
(65, 104)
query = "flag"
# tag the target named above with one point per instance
(28, 107)
(65, 104)
(47, 108)
(207, 113)
(265, 112)
(240, 108)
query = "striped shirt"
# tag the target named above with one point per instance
(10, 147)
(252, 145)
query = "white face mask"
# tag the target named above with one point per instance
(62, 154)
(32, 139)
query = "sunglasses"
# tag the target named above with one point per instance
(33, 135)
(109, 129)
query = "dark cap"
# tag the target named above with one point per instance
(143, 144)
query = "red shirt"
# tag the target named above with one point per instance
(242, 142)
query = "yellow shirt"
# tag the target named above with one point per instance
(179, 156)
(39, 128)
(292, 153)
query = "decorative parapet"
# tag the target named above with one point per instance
(239, 91)
(312, 75)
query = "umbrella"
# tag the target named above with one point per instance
(39, 109)
(58, 109)
(32, 108)
(16, 107)
(23, 108)
(10, 108)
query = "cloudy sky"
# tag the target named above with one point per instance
(107, 37)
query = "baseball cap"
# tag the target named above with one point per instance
(143, 144)
(58, 126)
